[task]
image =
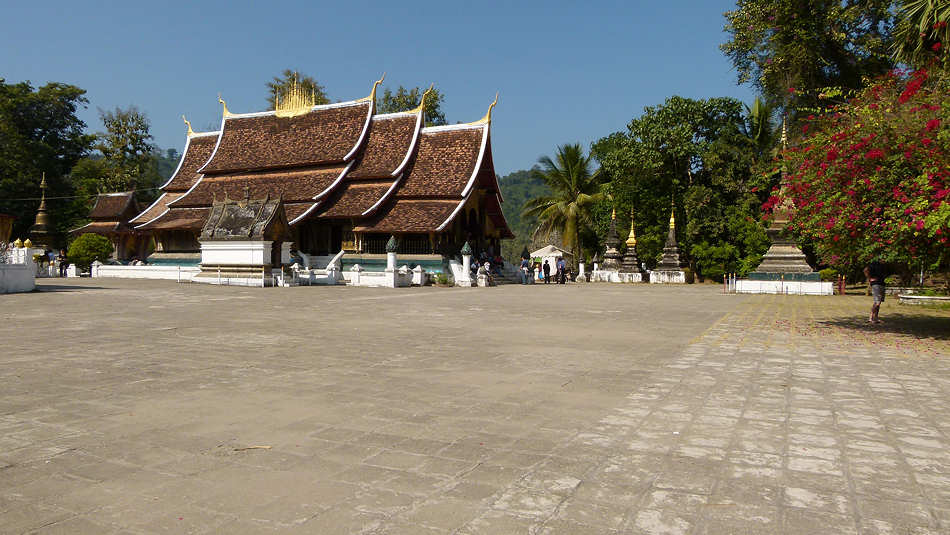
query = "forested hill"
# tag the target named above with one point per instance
(517, 188)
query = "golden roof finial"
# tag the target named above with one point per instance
(372, 94)
(190, 131)
(422, 101)
(487, 118)
(632, 238)
(224, 106)
(672, 218)
(297, 101)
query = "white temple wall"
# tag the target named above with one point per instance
(237, 253)
(15, 278)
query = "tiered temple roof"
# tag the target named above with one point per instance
(110, 214)
(385, 172)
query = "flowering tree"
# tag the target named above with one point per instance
(871, 178)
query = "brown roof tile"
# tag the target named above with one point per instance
(100, 227)
(444, 163)
(411, 215)
(156, 208)
(295, 210)
(354, 198)
(111, 206)
(180, 219)
(197, 151)
(389, 140)
(325, 135)
(292, 185)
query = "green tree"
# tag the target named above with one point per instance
(791, 49)
(871, 179)
(702, 154)
(127, 149)
(922, 31)
(39, 132)
(576, 188)
(406, 99)
(517, 188)
(281, 85)
(88, 248)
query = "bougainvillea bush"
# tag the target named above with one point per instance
(871, 178)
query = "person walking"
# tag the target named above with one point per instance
(561, 270)
(525, 269)
(546, 269)
(63, 264)
(874, 272)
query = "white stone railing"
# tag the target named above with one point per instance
(179, 273)
(19, 275)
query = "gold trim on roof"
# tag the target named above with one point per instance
(487, 118)
(190, 131)
(372, 94)
(422, 101)
(224, 106)
(297, 101)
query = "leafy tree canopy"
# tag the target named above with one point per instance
(871, 178)
(922, 31)
(406, 99)
(702, 154)
(791, 50)
(575, 188)
(281, 85)
(39, 132)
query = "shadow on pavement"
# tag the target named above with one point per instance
(65, 288)
(915, 325)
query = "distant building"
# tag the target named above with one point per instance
(347, 179)
(110, 217)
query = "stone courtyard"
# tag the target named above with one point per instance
(156, 407)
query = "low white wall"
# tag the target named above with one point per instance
(744, 286)
(238, 253)
(15, 278)
(186, 273)
(667, 277)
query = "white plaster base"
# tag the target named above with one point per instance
(237, 253)
(744, 286)
(630, 277)
(16, 278)
(604, 275)
(667, 277)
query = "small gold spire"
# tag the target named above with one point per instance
(372, 94)
(190, 131)
(487, 118)
(672, 219)
(296, 101)
(422, 101)
(632, 238)
(224, 106)
(613, 214)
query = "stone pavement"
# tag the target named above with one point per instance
(153, 407)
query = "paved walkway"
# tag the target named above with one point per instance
(153, 407)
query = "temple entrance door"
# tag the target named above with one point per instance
(336, 239)
(275, 254)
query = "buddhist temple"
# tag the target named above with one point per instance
(110, 217)
(347, 179)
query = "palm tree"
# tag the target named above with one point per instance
(922, 25)
(576, 188)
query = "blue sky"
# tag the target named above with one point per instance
(566, 71)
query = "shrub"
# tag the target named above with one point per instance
(441, 279)
(88, 248)
(829, 274)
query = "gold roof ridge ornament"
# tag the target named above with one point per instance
(224, 106)
(422, 101)
(190, 132)
(372, 94)
(297, 101)
(632, 238)
(487, 118)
